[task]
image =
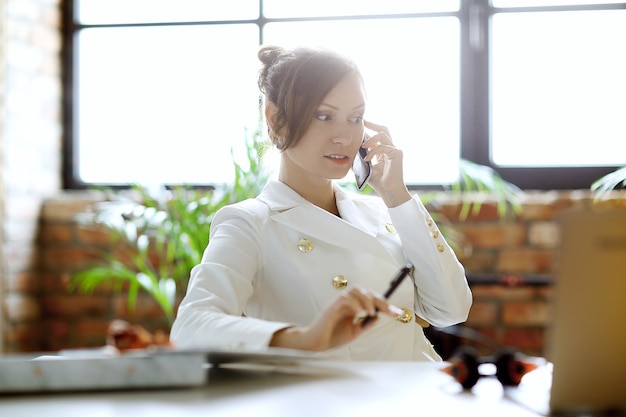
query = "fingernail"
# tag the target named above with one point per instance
(359, 317)
(396, 310)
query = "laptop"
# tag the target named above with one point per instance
(586, 342)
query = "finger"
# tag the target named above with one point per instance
(379, 138)
(363, 300)
(383, 151)
(375, 127)
(368, 321)
(383, 305)
(380, 304)
(360, 318)
(393, 310)
(367, 299)
(349, 306)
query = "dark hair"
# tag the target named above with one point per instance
(297, 81)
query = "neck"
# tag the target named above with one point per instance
(317, 192)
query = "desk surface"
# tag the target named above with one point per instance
(318, 388)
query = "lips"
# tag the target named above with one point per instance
(337, 157)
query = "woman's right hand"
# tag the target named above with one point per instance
(338, 324)
(387, 171)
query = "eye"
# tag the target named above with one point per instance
(323, 117)
(357, 119)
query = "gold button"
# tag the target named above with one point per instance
(440, 247)
(429, 222)
(391, 229)
(436, 234)
(407, 317)
(340, 282)
(305, 245)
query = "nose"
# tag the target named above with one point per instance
(345, 133)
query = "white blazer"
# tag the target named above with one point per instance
(278, 260)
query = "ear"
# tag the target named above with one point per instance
(271, 111)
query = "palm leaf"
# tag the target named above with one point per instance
(603, 186)
(479, 181)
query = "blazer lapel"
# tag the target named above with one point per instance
(357, 229)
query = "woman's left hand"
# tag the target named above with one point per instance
(387, 172)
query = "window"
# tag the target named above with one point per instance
(557, 93)
(539, 95)
(163, 91)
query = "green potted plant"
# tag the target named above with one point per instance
(163, 232)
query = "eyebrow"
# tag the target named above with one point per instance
(337, 108)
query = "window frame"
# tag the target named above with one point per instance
(475, 134)
(474, 17)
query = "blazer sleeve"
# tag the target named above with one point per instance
(443, 295)
(211, 313)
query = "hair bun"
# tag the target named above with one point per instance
(268, 54)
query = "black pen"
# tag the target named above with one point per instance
(392, 287)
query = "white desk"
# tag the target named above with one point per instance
(319, 388)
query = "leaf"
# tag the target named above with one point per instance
(168, 288)
(145, 281)
(133, 292)
(476, 181)
(89, 279)
(142, 243)
(603, 186)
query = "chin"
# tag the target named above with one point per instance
(348, 176)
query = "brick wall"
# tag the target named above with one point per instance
(74, 319)
(3, 38)
(502, 254)
(30, 167)
(511, 264)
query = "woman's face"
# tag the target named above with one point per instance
(328, 147)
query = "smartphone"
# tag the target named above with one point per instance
(362, 169)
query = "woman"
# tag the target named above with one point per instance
(299, 265)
